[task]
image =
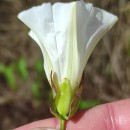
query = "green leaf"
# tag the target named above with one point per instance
(10, 77)
(88, 104)
(36, 91)
(39, 68)
(22, 68)
(39, 65)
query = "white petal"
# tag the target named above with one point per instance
(47, 62)
(92, 24)
(82, 21)
(40, 20)
(100, 23)
(64, 17)
(67, 35)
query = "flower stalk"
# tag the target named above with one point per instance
(62, 124)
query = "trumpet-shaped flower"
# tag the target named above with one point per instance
(67, 34)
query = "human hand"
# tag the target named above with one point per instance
(110, 116)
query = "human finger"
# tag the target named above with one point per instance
(110, 116)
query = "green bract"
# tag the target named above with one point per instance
(63, 101)
(67, 34)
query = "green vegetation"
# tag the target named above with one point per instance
(36, 91)
(88, 104)
(39, 69)
(8, 72)
(22, 68)
(19, 68)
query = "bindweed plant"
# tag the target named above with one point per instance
(67, 33)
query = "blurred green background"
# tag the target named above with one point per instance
(24, 90)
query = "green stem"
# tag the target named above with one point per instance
(62, 124)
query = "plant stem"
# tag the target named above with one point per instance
(62, 124)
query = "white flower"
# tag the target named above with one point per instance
(67, 34)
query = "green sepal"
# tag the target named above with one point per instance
(63, 98)
(54, 111)
(75, 102)
(60, 102)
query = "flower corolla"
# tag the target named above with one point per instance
(67, 33)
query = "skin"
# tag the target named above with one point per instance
(110, 116)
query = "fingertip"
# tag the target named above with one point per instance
(115, 115)
(121, 110)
